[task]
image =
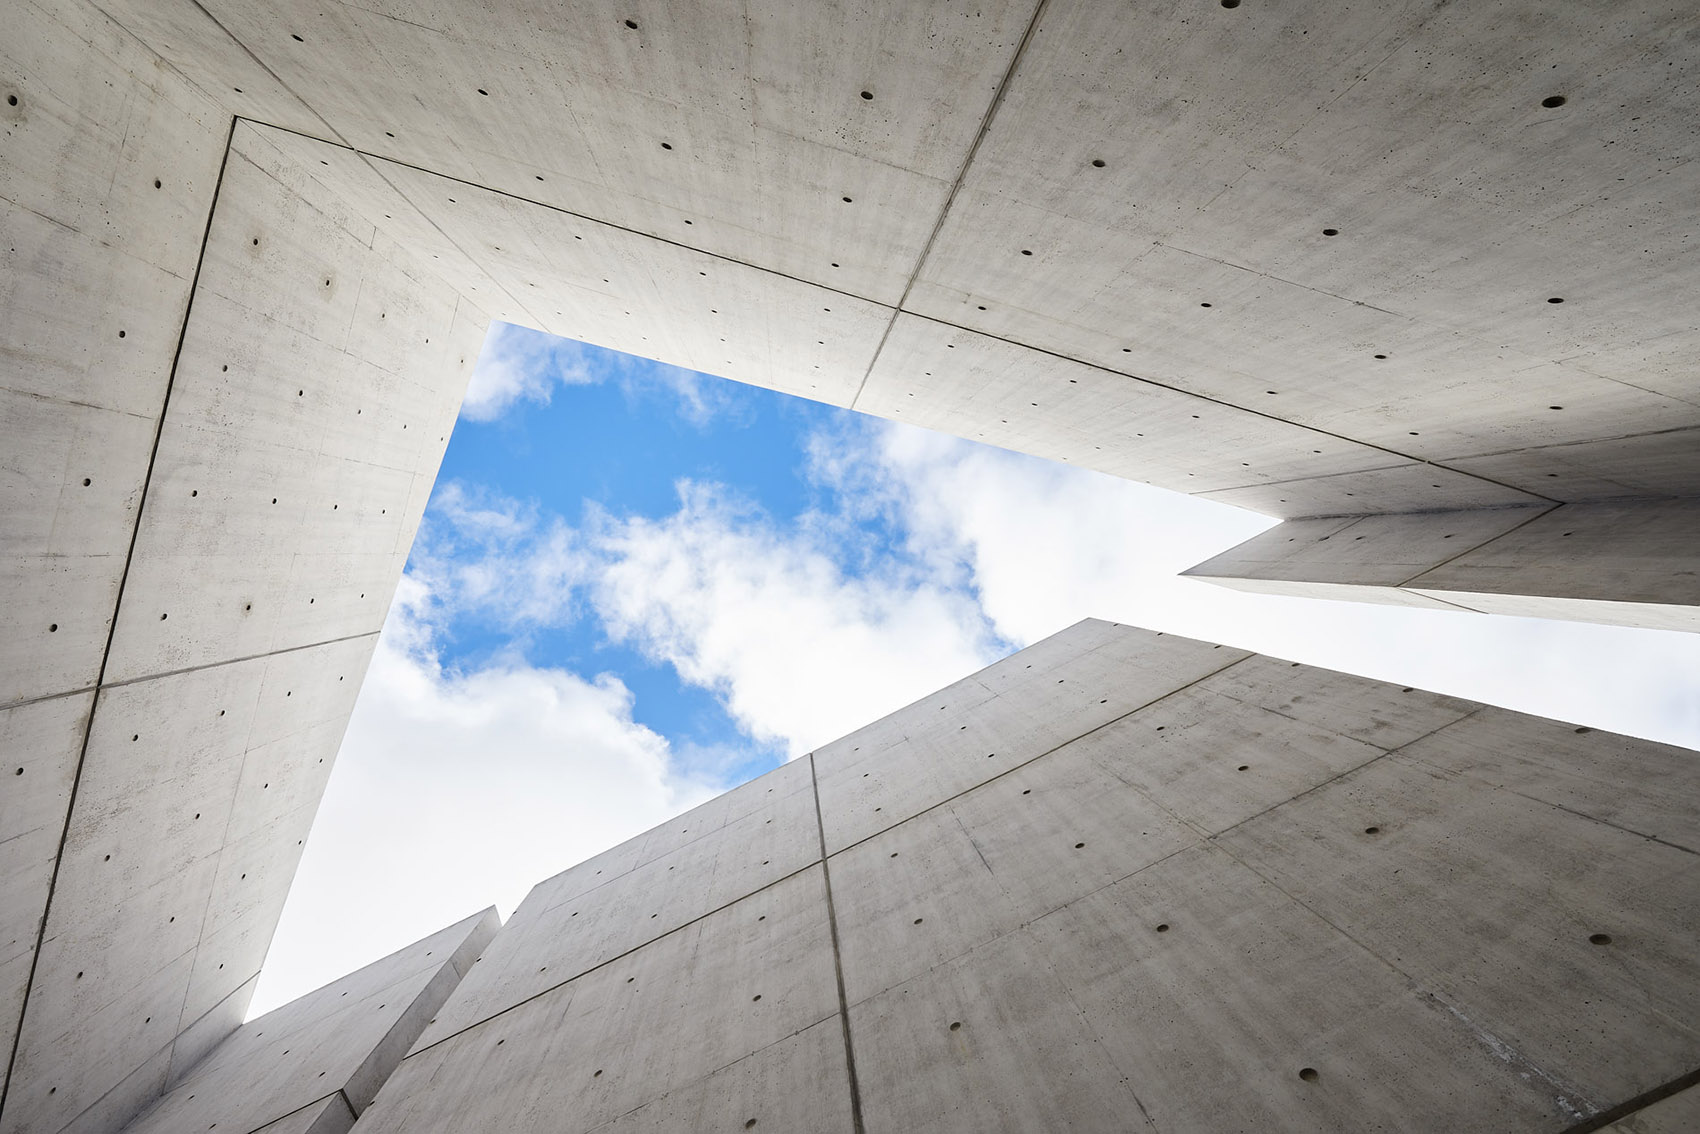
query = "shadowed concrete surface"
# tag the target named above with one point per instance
(315, 1063)
(1415, 277)
(1117, 881)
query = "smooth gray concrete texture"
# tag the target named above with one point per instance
(196, 794)
(653, 298)
(98, 264)
(225, 397)
(561, 937)
(1489, 885)
(1624, 562)
(1174, 225)
(341, 1041)
(1261, 896)
(39, 745)
(946, 744)
(747, 992)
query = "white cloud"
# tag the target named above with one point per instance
(518, 364)
(1046, 545)
(458, 790)
(799, 651)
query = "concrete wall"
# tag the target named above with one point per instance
(1300, 258)
(1116, 881)
(322, 1057)
(1623, 562)
(1305, 258)
(224, 397)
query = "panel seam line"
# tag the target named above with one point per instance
(837, 959)
(112, 630)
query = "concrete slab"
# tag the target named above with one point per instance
(584, 1053)
(1226, 1005)
(1502, 907)
(341, 1041)
(40, 745)
(938, 748)
(1634, 785)
(562, 937)
(1004, 854)
(795, 1084)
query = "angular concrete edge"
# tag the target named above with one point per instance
(314, 1064)
(1620, 563)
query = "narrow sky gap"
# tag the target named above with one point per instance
(636, 586)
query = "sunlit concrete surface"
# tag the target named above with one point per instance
(1372, 262)
(1117, 881)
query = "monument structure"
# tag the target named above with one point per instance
(1417, 278)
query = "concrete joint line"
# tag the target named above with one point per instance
(111, 631)
(1534, 497)
(955, 190)
(1475, 547)
(1640, 1102)
(611, 960)
(1030, 760)
(236, 661)
(837, 959)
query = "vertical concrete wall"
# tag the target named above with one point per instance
(1117, 881)
(225, 397)
(314, 1064)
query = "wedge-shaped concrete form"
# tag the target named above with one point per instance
(1116, 881)
(1416, 278)
(313, 1065)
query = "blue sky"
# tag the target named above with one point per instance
(636, 586)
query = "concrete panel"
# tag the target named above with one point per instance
(301, 535)
(989, 1041)
(104, 195)
(1367, 551)
(1635, 785)
(1002, 855)
(40, 745)
(342, 1040)
(1216, 1019)
(1374, 712)
(1502, 908)
(1648, 464)
(719, 990)
(1620, 562)
(1617, 552)
(795, 1084)
(936, 749)
(742, 97)
(655, 298)
(1006, 394)
(557, 940)
(172, 814)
